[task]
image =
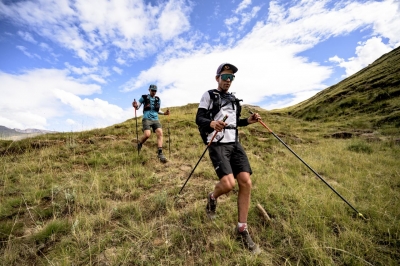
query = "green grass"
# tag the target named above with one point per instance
(87, 198)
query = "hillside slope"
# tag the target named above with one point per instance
(88, 198)
(369, 98)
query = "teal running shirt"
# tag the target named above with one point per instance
(151, 114)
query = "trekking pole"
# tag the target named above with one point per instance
(208, 145)
(309, 167)
(137, 134)
(169, 138)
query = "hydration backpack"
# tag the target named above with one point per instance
(215, 106)
(147, 105)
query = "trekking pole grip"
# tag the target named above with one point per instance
(215, 134)
(261, 122)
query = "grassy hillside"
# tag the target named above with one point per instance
(87, 198)
(368, 99)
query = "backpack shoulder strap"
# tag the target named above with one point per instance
(215, 103)
(238, 107)
(236, 103)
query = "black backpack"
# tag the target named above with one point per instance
(147, 107)
(214, 107)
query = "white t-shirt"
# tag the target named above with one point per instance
(227, 109)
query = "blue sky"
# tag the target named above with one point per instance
(77, 65)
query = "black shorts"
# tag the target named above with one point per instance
(151, 124)
(227, 158)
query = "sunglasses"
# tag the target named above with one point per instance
(225, 77)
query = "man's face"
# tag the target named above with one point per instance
(224, 85)
(152, 92)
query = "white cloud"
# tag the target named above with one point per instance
(117, 70)
(120, 61)
(97, 78)
(267, 57)
(90, 73)
(81, 70)
(26, 36)
(33, 98)
(173, 20)
(241, 17)
(247, 17)
(385, 19)
(24, 50)
(45, 46)
(93, 108)
(70, 121)
(135, 28)
(294, 98)
(243, 5)
(230, 21)
(366, 53)
(18, 119)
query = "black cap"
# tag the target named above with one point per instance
(226, 66)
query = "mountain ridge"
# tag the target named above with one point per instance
(17, 134)
(372, 96)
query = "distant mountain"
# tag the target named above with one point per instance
(33, 130)
(369, 98)
(5, 131)
(14, 134)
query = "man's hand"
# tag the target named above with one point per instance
(253, 118)
(167, 112)
(218, 125)
(134, 104)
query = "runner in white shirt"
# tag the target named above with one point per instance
(226, 153)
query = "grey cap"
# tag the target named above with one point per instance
(153, 87)
(226, 66)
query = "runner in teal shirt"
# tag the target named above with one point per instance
(151, 109)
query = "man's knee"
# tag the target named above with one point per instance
(244, 180)
(159, 132)
(228, 183)
(147, 133)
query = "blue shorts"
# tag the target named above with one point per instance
(229, 158)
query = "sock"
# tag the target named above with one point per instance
(242, 226)
(159, 150)
(212, 196)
